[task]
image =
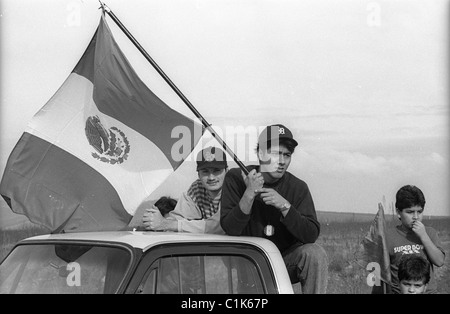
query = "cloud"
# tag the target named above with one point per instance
(339, 163)
(437, 159)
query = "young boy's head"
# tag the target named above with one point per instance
(410, 204)
(165, 205)
(413, 274)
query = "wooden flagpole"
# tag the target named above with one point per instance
(205, 123)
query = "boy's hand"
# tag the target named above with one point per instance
(153, 220)
(419, 228)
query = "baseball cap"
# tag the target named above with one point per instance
(211, 157)
(276, 132)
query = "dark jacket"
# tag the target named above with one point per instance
(300, 225)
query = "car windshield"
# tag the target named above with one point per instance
(63, 268)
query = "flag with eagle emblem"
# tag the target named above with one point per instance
(98, 147)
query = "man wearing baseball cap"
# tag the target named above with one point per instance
(272, 203)
(198, 209)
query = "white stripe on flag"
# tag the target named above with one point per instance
(62, 122)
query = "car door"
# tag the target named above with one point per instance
(203, 268)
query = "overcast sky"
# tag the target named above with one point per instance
(363, 85)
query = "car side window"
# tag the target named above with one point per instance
(148, 285)
(205, 274)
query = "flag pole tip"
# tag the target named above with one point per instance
(104, 7)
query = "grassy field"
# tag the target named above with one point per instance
(9, 237)
(341, 240)
(347, 269)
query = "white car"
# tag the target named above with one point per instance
(133, 262)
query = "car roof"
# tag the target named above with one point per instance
(147, 239)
